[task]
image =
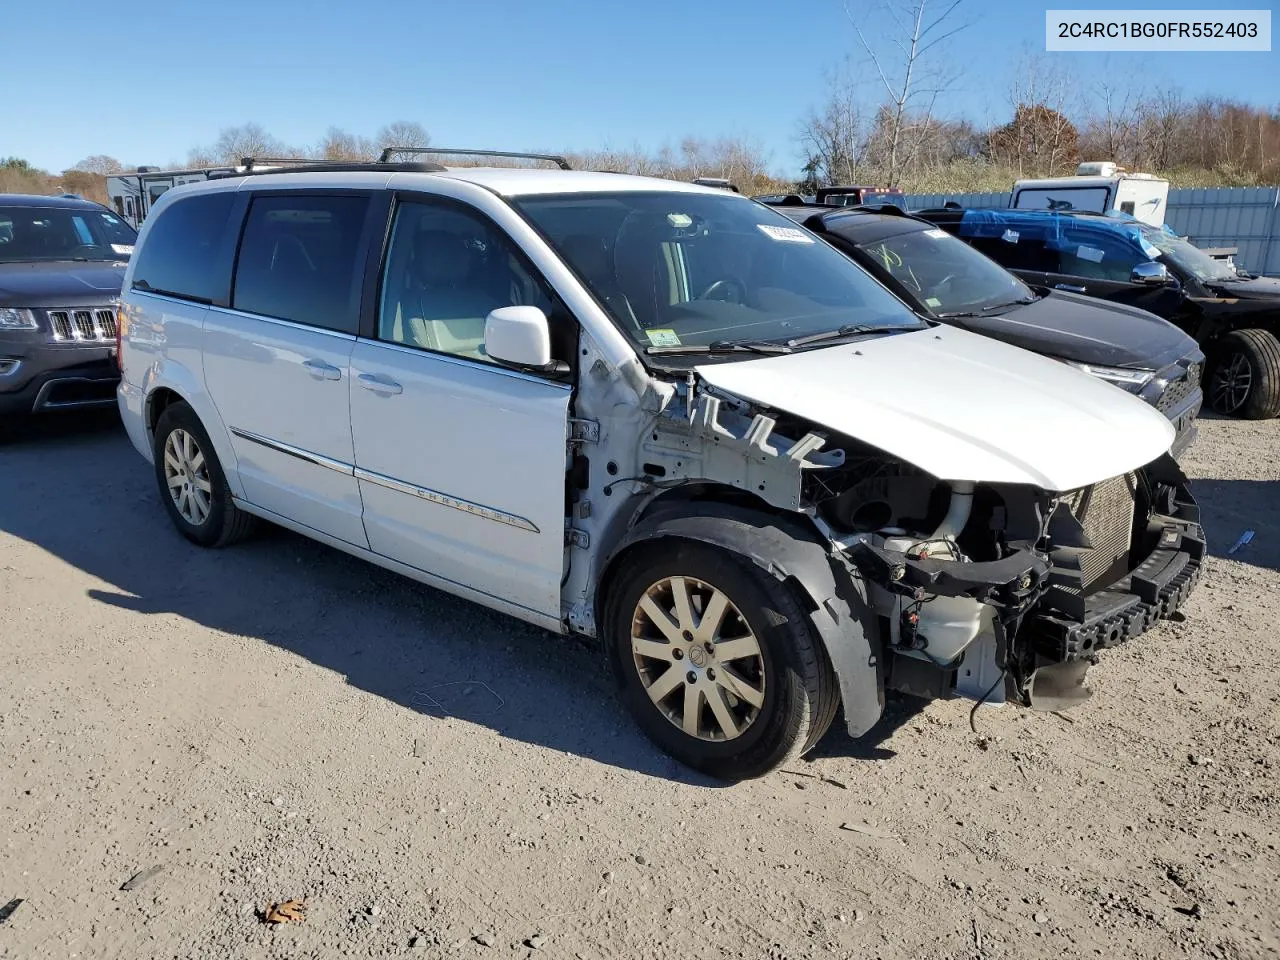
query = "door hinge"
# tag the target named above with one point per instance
(573, 537)
(583, 431)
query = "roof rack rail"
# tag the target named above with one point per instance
(330, 166)
(389, 152)
(250, 162)
(720, 183)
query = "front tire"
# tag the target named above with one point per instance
(192, 485)
(1245, 379)
(717, 659)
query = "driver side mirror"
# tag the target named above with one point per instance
(520, 337)
(1151, 273)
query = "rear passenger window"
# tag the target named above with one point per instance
(298, 260)
(180, 257)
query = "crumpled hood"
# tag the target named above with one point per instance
(961, 407)
(1086, 330)
(62, 282)
(1255, 288)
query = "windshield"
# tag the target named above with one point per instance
(946, 274)
(63, 233)
(1183, 255)
(692, 269)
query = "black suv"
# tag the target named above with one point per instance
(1233, 315)
(942, 278)
(62, 263)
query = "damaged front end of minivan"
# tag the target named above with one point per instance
(935, 588)
(1014, 591)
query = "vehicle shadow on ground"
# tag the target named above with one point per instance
(1230, 507)
(78, 490)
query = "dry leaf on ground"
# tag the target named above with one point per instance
(287, 911)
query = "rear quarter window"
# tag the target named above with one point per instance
(181, 255)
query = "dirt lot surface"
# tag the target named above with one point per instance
(278, 721)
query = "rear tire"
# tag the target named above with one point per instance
(758, 679)
(192, 485)
(1245, 378)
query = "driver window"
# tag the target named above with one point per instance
(1097, 255)
(446, 269)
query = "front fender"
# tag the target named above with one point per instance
(837, 604)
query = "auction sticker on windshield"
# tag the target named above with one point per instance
(784, 234)
(662, 338)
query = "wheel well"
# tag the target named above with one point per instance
(689, 499)
(156, 404)
(1266, 324)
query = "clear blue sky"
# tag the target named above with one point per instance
(145, 81)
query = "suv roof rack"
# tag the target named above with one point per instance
(721, 183)
(321, 166)
(389, 152)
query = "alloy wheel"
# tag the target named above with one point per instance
(1231, 384)
(698, 658)
(186, 475)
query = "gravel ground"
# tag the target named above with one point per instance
(278, 721)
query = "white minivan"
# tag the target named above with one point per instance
(656, 414)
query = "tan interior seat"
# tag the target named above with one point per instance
(438, 306)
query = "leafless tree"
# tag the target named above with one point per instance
(1161, 123)
(912, 80)
(234, 143)
(340, 145)
(402, 133)
(1111, 130)
(833, 136)
(100, 164)
(1046, 93)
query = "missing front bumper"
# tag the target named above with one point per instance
(1156, 588)
(1046, 650)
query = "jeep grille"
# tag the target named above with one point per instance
(95, 325)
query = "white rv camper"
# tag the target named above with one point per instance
(1097, 188)
(132, 195)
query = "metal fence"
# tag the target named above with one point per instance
(1243, 217)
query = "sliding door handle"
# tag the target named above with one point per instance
(321, 370)
(382, 386)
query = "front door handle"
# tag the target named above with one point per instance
(1070, 288)
(321, 370)
(383, 386)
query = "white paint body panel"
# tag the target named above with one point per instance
(961, 406)
(254, 372)
(471, 432)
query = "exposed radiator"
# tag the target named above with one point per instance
(1105, 510)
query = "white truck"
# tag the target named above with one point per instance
(1097, 188)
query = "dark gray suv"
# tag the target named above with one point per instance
(62, 263)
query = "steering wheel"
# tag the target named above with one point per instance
(726, 289)
(83, 248)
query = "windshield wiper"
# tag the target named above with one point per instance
(1021, 301)
(724, 346)
(851, 330)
